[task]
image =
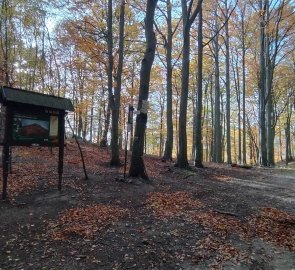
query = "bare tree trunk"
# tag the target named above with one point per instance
(131, 131)
(238, 97)
(80, 125)
(169, 121)
(91, 117)
(281, 144)
(104, 139)
(161, 125)
(217, 121)
(176, 125)
(188, 17)
(132, 101)
(227, 74)
(137, 168)
(85, 124)
(212, 121)
(262, 90)
(244, 89)
(5, 42)
(115, 160)
(288, 133)
(199, 136)
(182, 161)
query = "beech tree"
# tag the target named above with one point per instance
(137, 168)
(189, 15)
(168, 45)
(227, 85)
(91, 56)
(217, 153)
(115, 160)
(199, 144)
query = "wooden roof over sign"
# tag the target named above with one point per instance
(9, 95)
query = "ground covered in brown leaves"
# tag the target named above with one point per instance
(219, 217)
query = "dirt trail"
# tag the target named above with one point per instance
(218, 217)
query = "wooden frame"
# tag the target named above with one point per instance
(32, 124)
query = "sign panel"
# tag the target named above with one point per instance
(53, 131)
(30, 129)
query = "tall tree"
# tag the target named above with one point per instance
(115, 160)
(5, 40)
(137, 167)
(168, 38)
(244, 50)
(217, 154)
(199, 136)
(262, 88)
(227, 85)
(188, 17)
(277, 34)
(110, 63)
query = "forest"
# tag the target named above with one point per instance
(206, 80)
(197, 100)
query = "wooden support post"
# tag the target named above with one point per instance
(5, 166)
(5, 151)
(125, 159)
(80, 150)
(61, 135)
(10, 160)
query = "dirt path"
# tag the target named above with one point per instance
(215, 218)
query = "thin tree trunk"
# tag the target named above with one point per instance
(5, 46)
(212, 121)
(262, 91)
(187, 18)
(244, 90)
(104, 139)
(281, 144)
(161, 126)
(237, 86)
(115, 160)
(91, 118)
(217, 121)
(227, 75)
(199, 136)
(169, 120)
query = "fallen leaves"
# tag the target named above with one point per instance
(275, 226)
(171, 227)
(168, 205)
(222, 178)
(85, 221)
(218, 223)
(171, 204)
(33, 167)
(21, 179)
(220, 251)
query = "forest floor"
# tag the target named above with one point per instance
(219, 217)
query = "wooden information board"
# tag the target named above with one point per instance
(31, 119)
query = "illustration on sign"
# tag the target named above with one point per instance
(31, 119)
(37, 128)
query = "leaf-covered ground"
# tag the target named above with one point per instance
(218, 217)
